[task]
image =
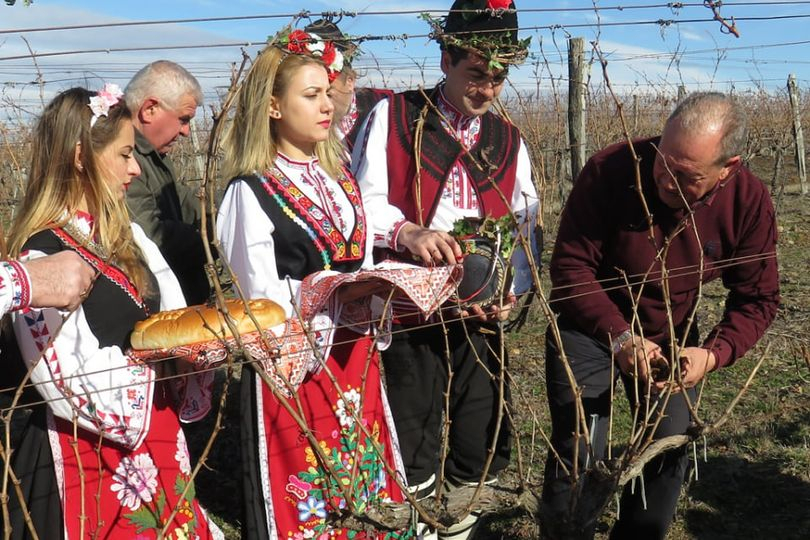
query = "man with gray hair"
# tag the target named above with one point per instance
(163, 98)
(631, 255)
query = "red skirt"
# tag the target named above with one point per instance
(299, 490)
(111, 492)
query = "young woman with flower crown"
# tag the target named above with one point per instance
(293, 209)
(103, 455)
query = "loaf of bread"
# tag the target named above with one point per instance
(195, 324)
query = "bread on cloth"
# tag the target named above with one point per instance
(195, 324)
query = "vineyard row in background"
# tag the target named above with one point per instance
(561, 128)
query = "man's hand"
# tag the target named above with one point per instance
(62, 280)
(695, 364)
(429, 245)
(636, 356)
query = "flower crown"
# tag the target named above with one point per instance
(107, 97)
(309, 44)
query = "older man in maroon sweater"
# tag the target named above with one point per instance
(703, 215)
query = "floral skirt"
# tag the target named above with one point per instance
(111, 492)
(356, 462)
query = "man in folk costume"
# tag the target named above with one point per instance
(352, 105)
(425, 159)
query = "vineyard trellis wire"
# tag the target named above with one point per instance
(549, 146)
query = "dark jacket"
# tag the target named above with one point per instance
(169, 213)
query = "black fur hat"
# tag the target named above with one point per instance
(488, 28)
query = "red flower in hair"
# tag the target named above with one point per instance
(298, 41)
(329, 58)
(499, 4)
(328, 55)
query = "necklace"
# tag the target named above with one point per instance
(311, 175)
(79, 228)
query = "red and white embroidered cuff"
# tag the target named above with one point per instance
(19, 284)
(392, 237)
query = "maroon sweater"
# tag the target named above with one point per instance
(604, 236)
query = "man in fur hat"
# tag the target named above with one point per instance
(471, 163)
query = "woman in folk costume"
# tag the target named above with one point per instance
(292, 209)
(104, 455)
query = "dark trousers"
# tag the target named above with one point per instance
(590, 361)
(416, 372)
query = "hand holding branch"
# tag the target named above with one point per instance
(641, 357)
(493, 313)
(696, 362)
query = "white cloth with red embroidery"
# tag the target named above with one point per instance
(291, 356)
(102, 388)
(425, 288)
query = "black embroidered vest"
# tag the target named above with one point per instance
(114, 305)
(306, 240)
(491, 162)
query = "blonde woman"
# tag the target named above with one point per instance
(104, 455)
(290, 210)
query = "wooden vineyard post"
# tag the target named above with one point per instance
(576, 104)
(798, 136)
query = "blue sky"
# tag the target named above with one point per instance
(642, 57)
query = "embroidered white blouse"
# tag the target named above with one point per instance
(245, 231)
(73, 373)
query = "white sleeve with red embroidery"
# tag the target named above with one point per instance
(15, 287)
(246, 235)
(370, 167)
(525, 205)
(100, 387)
(6, 289)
